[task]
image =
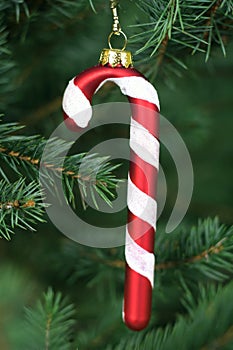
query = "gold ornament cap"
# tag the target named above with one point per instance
(115, 57)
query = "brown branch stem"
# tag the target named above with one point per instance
(42, 112)
(211, 14)
(162, 51)
(36, 162)
(16, 204)
(222, 341)
(215, 249)
(47, 331)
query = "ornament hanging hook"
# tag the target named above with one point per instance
(116, 27)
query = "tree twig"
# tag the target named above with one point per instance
(162, 51)
(215, 249)
(42, 112)
(36, 162)
(211, 14)
(220, 342)
(47, 331)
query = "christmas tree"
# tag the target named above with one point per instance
(58, 294)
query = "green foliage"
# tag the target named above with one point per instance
(21, 206)
(206, 250)
(203, 253)
(6, 62)
(189, 264)
(22, 154)
(17, 287)
(49, 323)
(171, 32)
(43, 43)
(186, 333)
(176, 29)
(203, 302)
(59, 11)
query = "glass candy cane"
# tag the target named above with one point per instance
(116, 66)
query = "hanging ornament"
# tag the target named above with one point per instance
(115, 65)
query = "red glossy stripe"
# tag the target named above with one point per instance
(137, 300)
(89, 80)
(145, 113)
(143, 175)
(141, 232)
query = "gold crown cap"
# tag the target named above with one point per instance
(116, 57)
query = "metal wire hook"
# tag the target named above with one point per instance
(116, 27)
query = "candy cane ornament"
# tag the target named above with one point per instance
(116, 66)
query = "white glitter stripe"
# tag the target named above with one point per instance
(139, 259)
(136, 87)
(76, 105)
(145, 145)
(141, 205)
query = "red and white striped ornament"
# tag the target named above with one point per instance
(116, 67)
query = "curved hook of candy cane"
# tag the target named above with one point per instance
(79, 92)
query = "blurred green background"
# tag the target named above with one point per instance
(47, 52)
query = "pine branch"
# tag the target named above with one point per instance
(52, 14)
(177, 29)
(23, 153)
(21, 206)
(212, 11)
(162, 51)
(6, 62)
(185, 334)
(224, 340)
(49, 323)
(57, 10)
(203, 254)
(19, 7)
(206, 251)
(19, 20)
